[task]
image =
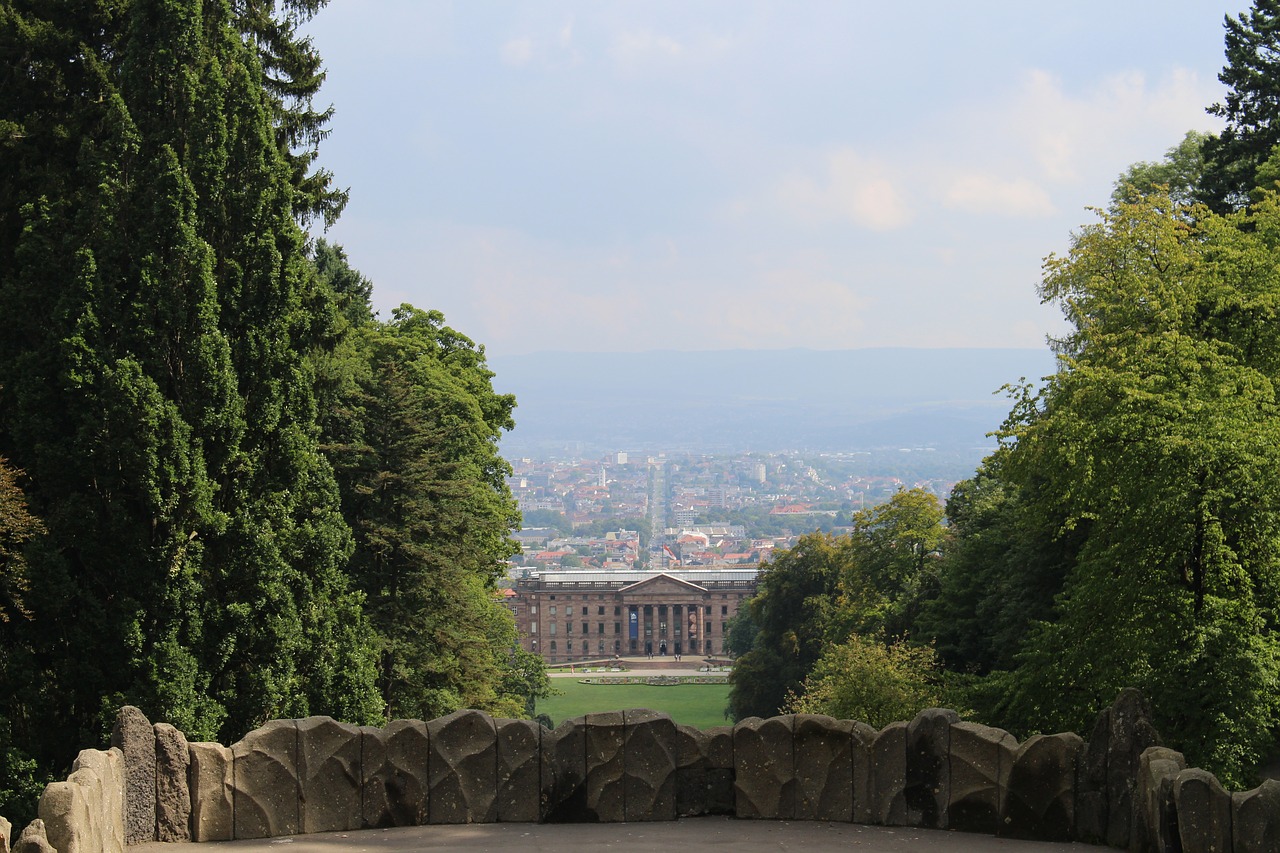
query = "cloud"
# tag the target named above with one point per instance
(518, 51)
(977, 193)
(1067, 132)
(853, 188)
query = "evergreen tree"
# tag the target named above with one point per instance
(156, 387)
(1251, 108)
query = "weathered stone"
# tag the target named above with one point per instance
(721, 798)
(764, 781)
(1156, 828)
(1091, 783)
(462, 768)
(102, 775)
(823, 750)
(33, 839)
(394, 773)
(6, 829)
(605, 767)
(173, 796)
(863, 737)
(519, 769)
(264, 782)
(1040, 799)
(564, 772)
(136, 739)
(329, 775)
(692, 776)
(1131, 733)
(886, 795)
(1203, 809)
(928, 775)
(1255, 819)
(64, 808)
(209, 779)
(649, 766)
(981, 758)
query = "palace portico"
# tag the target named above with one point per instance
(583, 615)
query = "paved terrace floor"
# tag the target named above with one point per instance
(689, 834)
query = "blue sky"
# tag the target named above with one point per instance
(626, 176)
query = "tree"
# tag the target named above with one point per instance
(1178, 175)
(794, 600)
(894, 551)
(1251, 107)
(413, 438)
(1159, 438)
(156, 387)
(864, 679)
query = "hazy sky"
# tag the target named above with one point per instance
(613, 176)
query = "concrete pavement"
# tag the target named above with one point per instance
(701, 833)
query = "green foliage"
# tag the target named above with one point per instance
(864, 679)
(1179, 174)
(1251, 108)
(1156, 443)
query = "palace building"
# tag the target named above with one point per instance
(586, 615)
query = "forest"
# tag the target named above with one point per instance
(228, 491)
(1126, 532)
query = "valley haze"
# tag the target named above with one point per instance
(726, 401)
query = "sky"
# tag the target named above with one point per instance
(628, 176)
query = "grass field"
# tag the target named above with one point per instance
(700, 705)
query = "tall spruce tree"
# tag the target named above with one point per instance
(156, 387)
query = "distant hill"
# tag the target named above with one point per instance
(740, 400)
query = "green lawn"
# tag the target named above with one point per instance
(700, 705)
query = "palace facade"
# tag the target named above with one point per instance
(587, 615)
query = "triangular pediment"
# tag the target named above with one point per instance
(664, 584)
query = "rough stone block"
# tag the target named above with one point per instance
(981, 759)
(886, 795)
(519, 769)
(136, 739)
(649, 755)
(721, 798)
(1203, 810)
(102, 775)
(65, 810)
(329, 775)
(764, 781)
(462, 768)
(564, 773)
(692, 771)
(264, 782)
(1040, 799)
(394, 774)
(1131, 733)
(1091, 783)
(6, 829)
(33, 839)
(928, 784)
(862, 738)
(210, 782)
(173, 796)
(1156, 828)
(1255, 819)
(823, 750)
(605, 767)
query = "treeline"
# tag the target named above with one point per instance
(1127, 530)
(228, 492)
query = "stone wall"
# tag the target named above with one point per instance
(319, 775)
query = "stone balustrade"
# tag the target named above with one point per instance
(319, 775)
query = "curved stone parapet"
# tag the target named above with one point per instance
(317, 774)
(764, 768)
